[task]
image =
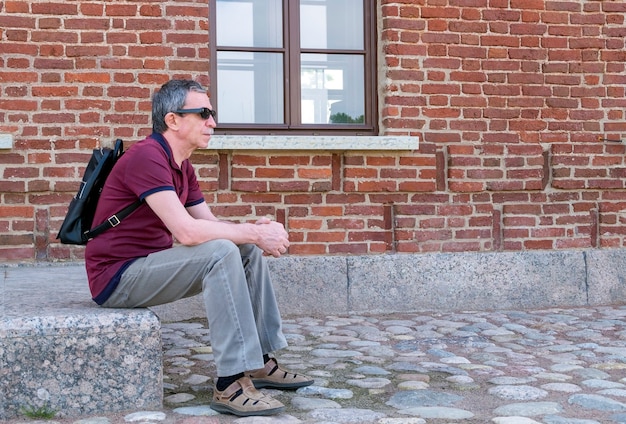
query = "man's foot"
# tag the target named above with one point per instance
(273, 376)
(242, 399)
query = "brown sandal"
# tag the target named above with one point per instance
(242, 399)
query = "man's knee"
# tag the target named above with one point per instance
(218, 248)
(225, 248)
(250, 250)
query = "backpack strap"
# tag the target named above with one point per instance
(113, 221)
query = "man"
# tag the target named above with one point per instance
(135, 264)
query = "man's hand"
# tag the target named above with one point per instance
(273, 239)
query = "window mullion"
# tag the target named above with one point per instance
(371, 85)
(292, 59)
(213, 54)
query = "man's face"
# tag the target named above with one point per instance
(192, 127)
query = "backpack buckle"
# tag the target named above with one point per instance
(114, 221)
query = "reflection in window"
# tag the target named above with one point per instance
(250, 88)
(331, 24)
(332, 89)
(249, 23)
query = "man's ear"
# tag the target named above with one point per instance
(171, 120)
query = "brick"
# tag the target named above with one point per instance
(16, 211)
(360, 173)
(345, 223)
(377, 186)
(289, 186)
(253, 186)
(150, 10)
(15, 253)
(314, 173)
(121, 10)
(305, 224)
(268, 173)
(355, 249)
(307, 249)
(327, 210)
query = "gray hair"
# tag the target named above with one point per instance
(170, 97)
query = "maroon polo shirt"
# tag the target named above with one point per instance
(145, 168)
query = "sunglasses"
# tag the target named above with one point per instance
(204, 112)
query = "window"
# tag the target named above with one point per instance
(294, 66)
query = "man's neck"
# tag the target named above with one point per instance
(180, 151)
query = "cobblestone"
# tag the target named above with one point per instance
(553, 366)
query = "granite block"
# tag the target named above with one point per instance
(311, 285)
(467, 281)
(60, 350)
(606, 276)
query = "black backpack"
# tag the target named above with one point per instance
(76, 227)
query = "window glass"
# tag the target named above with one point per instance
(249, 23)
(250, 88)
(331, 24)
(332, 89)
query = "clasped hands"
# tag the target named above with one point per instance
(274, 238)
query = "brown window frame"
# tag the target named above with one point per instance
(292, 85)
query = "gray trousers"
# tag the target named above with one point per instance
(244, 320)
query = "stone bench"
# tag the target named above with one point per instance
(58, 349)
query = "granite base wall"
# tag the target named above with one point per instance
(322, 285)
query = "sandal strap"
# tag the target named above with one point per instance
(272, 375)
(285, 372)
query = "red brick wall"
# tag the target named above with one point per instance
(510, 98)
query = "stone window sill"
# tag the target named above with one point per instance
(325, 143)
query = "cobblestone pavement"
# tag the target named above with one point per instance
(554, 366)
